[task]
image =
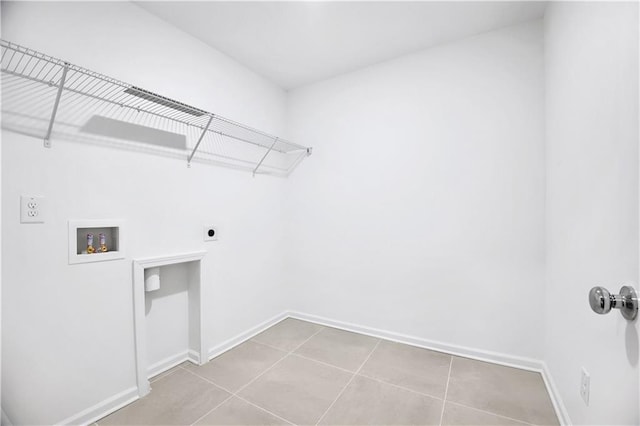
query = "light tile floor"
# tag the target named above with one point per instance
(298, 372)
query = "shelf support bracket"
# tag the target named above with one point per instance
(264, 156)
(47, 142)
(195, 148)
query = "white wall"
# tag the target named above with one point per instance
(167, 315)
(591, 56)
(68, 330)
(422, 210)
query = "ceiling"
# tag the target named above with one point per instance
(297, 43)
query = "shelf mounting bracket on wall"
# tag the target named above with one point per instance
(47, 142)
(195, 148)
(264, 156)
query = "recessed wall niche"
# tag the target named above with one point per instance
(95, 240)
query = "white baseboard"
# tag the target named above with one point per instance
(558, 405)
(243, 337)
(463, 351)
(103, 408)
(194, 357)
(168, 363)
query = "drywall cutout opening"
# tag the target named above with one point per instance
(167, 319)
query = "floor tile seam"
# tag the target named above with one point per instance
(335, 399)
(268, 346)
(490, 412)
(264, 409)
(446, 389)
(322, 363)
(367, 376)
(368, 356)
(243, 387)
(276, 363)
(253, 339)
(347, 384)
(400, 387)
(212, 410)
(234, 394)
(306, 340)
(206, 379)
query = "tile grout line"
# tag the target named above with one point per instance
(232, 394)
(321, 328)
(214, 384)
(210, 411)
(323, 363)
(491, 413)
(346, 371)
(265, 410)
(359, 374)
(264, 344)
(355, 374)
(349, 382)
(279, 361)
(375, 379)
(400, 387)
(366, 376)
(446, 389)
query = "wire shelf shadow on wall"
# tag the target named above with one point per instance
(46, 97)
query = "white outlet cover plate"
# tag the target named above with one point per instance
(585, 383)
(205, 233)
(32, 209)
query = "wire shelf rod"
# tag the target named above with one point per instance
(47, 143)
(264, 156)
(204, 132)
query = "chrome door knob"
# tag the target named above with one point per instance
(602, 301)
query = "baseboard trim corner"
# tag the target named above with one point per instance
(103, 408)
(168, 363)
(243, 337)
(554, 394)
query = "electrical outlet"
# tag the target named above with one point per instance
(210, 233)
(31, 209)
(585, 382)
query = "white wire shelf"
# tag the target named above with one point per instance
(47, 97)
